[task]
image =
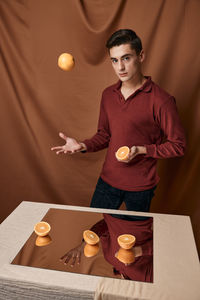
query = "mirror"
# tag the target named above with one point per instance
(117, 246)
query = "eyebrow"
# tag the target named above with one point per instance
(128, 54)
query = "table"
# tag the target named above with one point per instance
(176, 264)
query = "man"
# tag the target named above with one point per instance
(137, 113)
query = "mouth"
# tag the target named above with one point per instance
(122, 74)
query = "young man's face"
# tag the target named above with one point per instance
(126, 63)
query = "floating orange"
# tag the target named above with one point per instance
(122, 153)
(126, 241)
(90, 237)
(66, 62)
(42, 228)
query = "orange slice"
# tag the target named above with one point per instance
(42, 228)
(66, 62)
(122, 153)
(90, 237)
(126, 241)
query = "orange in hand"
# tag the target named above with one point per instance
(122, 153)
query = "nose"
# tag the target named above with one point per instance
(121, 66)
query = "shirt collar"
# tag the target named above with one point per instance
(146, 87)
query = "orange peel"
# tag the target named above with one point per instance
(66, 61)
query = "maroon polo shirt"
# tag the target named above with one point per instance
(148, 118)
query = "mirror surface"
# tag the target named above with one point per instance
(102, 253)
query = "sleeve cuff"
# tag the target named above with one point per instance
(150, 150)
(88, 145)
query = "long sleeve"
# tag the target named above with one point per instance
(102, 137)
(100, 228)
(174, 138)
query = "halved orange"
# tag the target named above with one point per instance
(122, 153)
(126, 256)
(91, 250)
(90, 237)
(43, 240)
(126, 241)
(42, 228)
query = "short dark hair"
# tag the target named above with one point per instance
(125, 36)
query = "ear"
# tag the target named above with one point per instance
(142, 56)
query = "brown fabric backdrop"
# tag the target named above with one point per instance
(38, 99)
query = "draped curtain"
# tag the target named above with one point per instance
(38, 100)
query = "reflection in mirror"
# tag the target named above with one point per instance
(117, 246)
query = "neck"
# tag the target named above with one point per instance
(134, 83)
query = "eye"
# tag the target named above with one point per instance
(126, 58)
(114, 60)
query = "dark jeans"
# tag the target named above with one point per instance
(106, 196)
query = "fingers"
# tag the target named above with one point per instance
(79, 258)
(60, 151)
(67, 256)
(133, 150)
(56, 148)
(131, 155)
(74, 256)
(61, 258)
(67, 259)
(73, 260)
(63, 136)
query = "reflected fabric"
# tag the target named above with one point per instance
(110, 228)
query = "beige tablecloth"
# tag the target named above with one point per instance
(176, 264)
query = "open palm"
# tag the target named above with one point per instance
(71, 145)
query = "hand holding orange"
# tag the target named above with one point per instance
(122, 153)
